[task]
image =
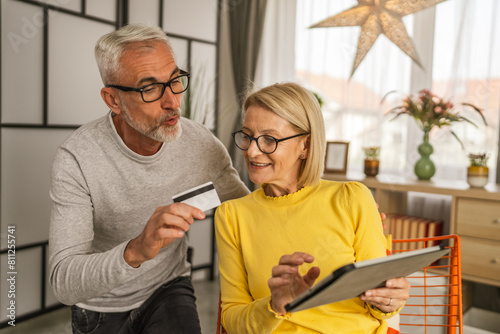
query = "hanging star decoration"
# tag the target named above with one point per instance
(379, 17)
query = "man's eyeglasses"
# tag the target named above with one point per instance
(266, 144)
(154, 91)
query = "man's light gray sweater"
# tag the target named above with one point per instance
(103, 195)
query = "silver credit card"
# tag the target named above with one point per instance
(203, 197)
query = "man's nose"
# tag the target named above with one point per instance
(171, 100)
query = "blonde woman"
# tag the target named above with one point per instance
(277, 241)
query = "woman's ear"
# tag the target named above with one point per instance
(111, 99)
(306, 145)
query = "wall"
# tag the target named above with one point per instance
(50, 85)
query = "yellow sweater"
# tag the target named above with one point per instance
(337, 223)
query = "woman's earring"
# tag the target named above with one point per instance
(302, 156)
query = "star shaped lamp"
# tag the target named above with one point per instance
(379, 17)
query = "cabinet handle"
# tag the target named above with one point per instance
(496, 221)
(495, 261)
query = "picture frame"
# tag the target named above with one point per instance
(336, 157)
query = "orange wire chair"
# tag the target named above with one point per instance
(220, 328)
(435, 302)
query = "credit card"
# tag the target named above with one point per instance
(203, 197)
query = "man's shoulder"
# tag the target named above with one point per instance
(199, 137)
(190, 127)
(87, 133)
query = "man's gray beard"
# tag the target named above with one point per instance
(161, 133)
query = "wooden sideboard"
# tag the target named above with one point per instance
(474, 216)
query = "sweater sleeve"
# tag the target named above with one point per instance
(76, 273)
(226, 179)
(240, 312)
(369, 241)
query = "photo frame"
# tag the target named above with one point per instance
(336, 157)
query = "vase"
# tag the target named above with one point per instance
(371, 167)
(425, 168)
(477, 176)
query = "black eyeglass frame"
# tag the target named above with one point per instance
(257, 140)
(165, 84)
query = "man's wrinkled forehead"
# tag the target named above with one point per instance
(141, 48)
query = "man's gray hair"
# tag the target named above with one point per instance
(110, 47)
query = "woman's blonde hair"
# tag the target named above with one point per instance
(301, 109)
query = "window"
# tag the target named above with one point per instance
(466, 41)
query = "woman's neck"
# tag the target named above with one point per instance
(273, 190)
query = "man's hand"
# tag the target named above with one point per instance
(286, 283)
(165, 225)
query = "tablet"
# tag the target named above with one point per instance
(353, 279)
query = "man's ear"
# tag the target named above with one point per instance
(111, 99)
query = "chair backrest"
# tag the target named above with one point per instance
(220, 328)
(435, 303)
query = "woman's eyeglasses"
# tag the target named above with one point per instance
(266, 144)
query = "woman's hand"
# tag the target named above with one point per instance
(389, 298)
(286, 283)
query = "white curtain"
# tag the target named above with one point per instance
(277, 54)
(458, 42)
(466, 69)
(352, 109)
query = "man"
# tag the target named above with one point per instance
(117, 242)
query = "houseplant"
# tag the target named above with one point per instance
(430, 111)
(372, 161)
(477, 172)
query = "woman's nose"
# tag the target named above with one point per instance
(253, 149)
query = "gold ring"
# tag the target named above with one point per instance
(390, 302)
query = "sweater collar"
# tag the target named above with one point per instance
(127, 151)
(286, 200)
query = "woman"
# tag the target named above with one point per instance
(294, 225)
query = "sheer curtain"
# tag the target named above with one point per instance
(352, 107)
(466, 69)
(457, 41)
(277, 54)
(246, 24)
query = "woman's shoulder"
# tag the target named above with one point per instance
(349, 186)
(344, 190)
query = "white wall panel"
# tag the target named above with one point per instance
(74, 98)
(26, 164)
(75, 5)
(203, 81)
(27, 282)
(144, 11)
(103, 9)
(180, 47)
(199, 238)
(22, 63)
(193, 18)
(74, 81)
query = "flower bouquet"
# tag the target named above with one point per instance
(429, 111)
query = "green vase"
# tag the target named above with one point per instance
(425, 168)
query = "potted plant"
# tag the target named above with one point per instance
(372, 161)
(477, 172)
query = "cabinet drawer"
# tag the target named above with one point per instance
(480, 257)
(479, 218)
